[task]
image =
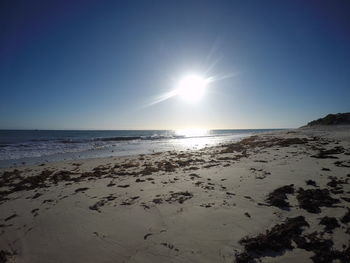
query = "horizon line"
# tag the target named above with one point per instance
(145, 129)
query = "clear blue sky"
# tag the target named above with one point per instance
(98, 64)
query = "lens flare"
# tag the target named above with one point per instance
(192, 88)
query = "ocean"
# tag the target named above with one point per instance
(19, 147)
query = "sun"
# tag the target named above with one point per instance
(192, 88)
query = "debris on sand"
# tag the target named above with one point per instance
(327, 154)
(6, 255)
(3, 256)
(110, 184)
(180, 197)
(277, 239)
(337, 185)
(278, 197)
(157, 200)
(170, 246)
(311, 182)
(280, 238)
(193, 176)
(15, 182)
(322, 248)
(342, 163)
(9, 176)
(10, 217)
(123, 186)
(346, 218)
(102, 202)
(97, 205)
(36, 195)
(130, 201)
(335, 182)
(82, 189)
(312, 199)
(138, 180)
(60, 176)
(257, 141)
(35, 211)
(207, 205)
(167, 166)
(147, 235)
(330, 223)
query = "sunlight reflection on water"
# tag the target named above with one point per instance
(193, 138)
(195, 143)
(192, 132)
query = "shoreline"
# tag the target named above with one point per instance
(208, 205)
(62, 145)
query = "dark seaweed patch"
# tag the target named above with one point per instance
(312, 199)
(277, 239)
(330, 223)
(278, 197)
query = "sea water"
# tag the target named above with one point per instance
(34, 146)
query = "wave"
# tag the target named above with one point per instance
(87, 145)
(109, 139)
(24, 138)
(135, 138)
(121, 138)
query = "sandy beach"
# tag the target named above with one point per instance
(275, 197)
(174, 131)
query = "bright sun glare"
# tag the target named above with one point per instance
(192, 132)
(192, 88)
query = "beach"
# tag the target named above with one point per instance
(30, 147)
(279, 196)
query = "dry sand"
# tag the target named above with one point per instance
(277, 197)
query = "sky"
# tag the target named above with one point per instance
(103, 64)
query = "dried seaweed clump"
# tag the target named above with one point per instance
(278, 197)
(312, 199)
(179, 197)
(277, 239)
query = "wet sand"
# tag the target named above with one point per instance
(276, 197)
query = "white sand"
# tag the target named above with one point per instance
(65, 229)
